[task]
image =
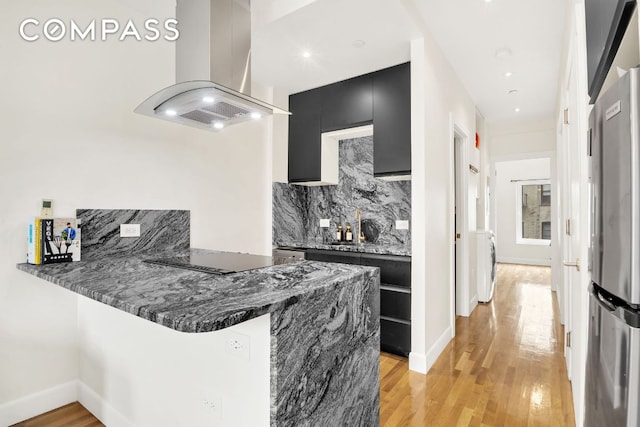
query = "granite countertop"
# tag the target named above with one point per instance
(368, 248)
(191, 301)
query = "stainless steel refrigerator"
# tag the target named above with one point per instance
(613, 356)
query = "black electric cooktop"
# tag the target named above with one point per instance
(216, 263)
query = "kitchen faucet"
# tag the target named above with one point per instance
(360, 233)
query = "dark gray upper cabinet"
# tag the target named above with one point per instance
(382, 97)
(348, 103)
(392, 121)
(304, 135)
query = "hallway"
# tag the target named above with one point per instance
(505, 366)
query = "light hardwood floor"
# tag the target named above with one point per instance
(504, 368)
(71, 415)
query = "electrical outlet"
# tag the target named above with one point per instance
(325, 223)
(239, 345)
(210, 406)
(129, 230)
(402, 224)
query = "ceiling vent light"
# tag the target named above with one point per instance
(255, 115)
(517, 110)
(218, 125)
(306, 54)
(171, 113)
(508, 74)
(208, 99)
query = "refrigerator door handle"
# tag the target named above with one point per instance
(575, 264)
(606, 303)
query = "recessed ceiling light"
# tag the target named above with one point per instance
(218, 125)
(513, 91)
(170, 112)
(208, 99)
(503, 52)
(306, 54)
(487, 1)
(255, 115)
(517, 110)
(359, 43)
(508, 74)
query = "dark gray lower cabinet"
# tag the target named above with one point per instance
(395, 294)
(395, 337)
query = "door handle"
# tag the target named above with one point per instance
(575, 264)
(457, 235)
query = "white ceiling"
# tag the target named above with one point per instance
(283, 29)
(471, 31)
(468, 31)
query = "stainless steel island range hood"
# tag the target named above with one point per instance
(213, 68)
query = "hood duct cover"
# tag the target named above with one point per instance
(215, 44)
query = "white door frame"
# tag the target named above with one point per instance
(462, 278)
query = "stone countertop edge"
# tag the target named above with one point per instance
(361, 248)
(261, 291)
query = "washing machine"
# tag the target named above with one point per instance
(486, 264)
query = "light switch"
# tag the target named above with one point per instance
(129, 230)
(402, 224)
(325, 223)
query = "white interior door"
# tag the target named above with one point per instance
(566, 201)
(575, 213)
(458, 211)
(461, 212)
(574, 221)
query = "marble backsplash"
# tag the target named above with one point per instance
(297, 209)
(160, 230)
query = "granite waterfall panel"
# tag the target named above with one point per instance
(325, 370)
(297, 210)
(160, 231)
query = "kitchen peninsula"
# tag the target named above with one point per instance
(313, 346)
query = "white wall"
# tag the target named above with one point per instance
(507, 250)
(516, 140)
(484, 188)
(522, 141)
(437, 96)
(69, 133)
(134, 372)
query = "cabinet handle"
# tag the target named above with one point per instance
(392, 288)
(395, 320)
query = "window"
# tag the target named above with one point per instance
(545, 198)
(533, 212)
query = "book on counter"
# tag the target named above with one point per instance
(53, 240)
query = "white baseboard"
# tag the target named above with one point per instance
(473, 304)
(525, 261)
(436, 349)
(47, 400)
(38, 403)
(100, 408)
(418, 362)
